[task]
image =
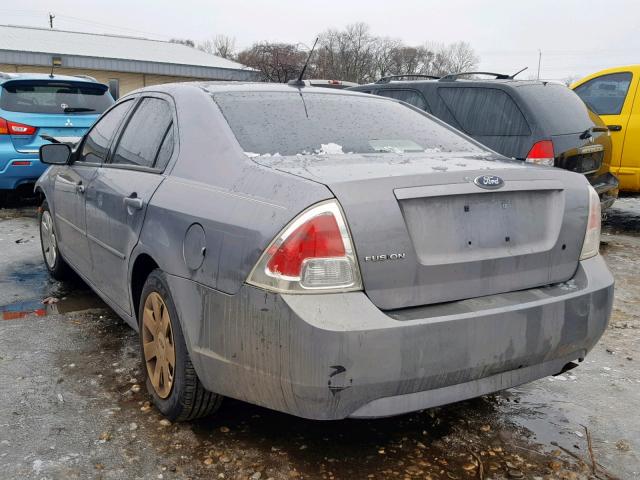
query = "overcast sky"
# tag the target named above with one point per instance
(576, 37)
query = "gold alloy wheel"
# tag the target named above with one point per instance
(157, 341)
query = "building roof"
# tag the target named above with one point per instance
(37, 46)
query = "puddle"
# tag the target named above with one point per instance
(75, 302)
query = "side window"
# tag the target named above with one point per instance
(143, 136)
(484, 111)
(96, 144)
(605, 95)
(413, 97)
(166, 150)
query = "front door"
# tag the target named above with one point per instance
(69, 211)
(123, 189)
(611, 96)
(73, 188)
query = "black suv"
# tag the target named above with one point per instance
(534, 121)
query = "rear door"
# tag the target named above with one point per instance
(611, 96)
(123, 189)
(72, 188)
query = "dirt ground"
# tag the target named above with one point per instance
(73, 405)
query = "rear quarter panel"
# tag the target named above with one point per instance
(240, 205)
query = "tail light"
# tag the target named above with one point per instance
(541, 153)
(8, 127)
(591, 244)
(313, 254)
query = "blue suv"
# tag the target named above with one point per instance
(35, 107)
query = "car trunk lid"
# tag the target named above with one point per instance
(425, 233)
(581, 152)
(47, 125)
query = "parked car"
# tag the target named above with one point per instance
(529, 120)
(34, 107)
(611, 94)
(322, 252)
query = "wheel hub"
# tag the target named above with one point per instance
(158, 345)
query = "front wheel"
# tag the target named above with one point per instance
(56, 265)
(171, 379)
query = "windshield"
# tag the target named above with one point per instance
(31, 96)
(290, 123)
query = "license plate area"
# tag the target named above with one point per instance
(586, 162)
(462, 228)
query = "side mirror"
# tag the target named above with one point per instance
(55, 153)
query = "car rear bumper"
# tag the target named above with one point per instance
(335, 356)
(607, 186)
(12, 175)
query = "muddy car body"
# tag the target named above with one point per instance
(438, 270)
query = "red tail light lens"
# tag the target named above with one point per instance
(313, 253)
(8, 127)
(542, 153)
(319, 237)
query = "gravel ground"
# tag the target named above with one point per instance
(72, 406)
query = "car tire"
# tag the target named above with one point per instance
(56, 265)
(175, 390)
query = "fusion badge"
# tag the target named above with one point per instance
(383, 258)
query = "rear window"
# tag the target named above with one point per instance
(484, 111)
(54, 97)
(558, 110)
(290, 123)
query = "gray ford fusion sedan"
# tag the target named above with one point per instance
(324, 253)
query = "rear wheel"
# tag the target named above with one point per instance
(171, 379)
(56, 265)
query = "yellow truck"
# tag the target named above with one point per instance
(611, 94)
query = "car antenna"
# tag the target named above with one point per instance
(518, 73)
(299, 82)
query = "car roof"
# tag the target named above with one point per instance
(475, 82)
(9, 76)
(213, 87)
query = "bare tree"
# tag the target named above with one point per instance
(384, 57)
(220, 45)
(355, 54)
(347, 54)
(278, 62)
(461, 57)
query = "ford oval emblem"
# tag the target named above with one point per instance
(490, 182)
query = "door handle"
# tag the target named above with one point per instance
(133, 201)
(614, 128)
(80, 188)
